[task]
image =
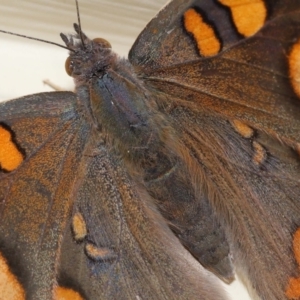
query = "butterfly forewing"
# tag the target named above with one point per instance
(35, 197)
(127, 251)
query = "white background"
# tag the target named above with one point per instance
(24, 64)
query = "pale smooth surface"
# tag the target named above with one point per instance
(24, 64)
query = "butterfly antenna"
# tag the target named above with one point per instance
(35, 39)
(79, 23)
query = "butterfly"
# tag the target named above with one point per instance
(183, 157)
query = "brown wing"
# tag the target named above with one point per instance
(73, 224)
(237, 116)
(35, 196)
(127, 250)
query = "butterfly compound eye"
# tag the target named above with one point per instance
(68, 66)
(102, 42)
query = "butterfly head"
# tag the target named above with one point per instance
(88, 58)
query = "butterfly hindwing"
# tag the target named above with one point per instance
(126, 250)
(253, 184)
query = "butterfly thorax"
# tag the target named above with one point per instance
(107, 86)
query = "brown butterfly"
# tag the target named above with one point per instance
(184, 156)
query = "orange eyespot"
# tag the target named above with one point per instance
(68, 66)
(102, 42)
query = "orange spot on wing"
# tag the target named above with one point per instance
(10, 288)
(296, 245)
(207, 42)
(248, 15)
(259, 153)
(294, 67)
(243, 129)
(62, 293)
(79, 227)
(10, 156)
(293, 289)
(97, 253)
